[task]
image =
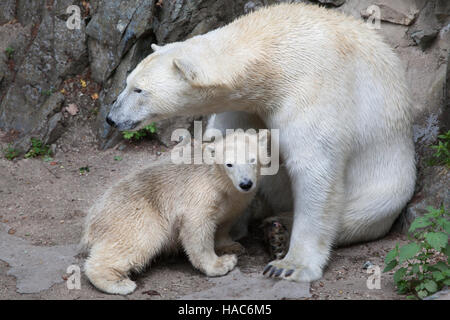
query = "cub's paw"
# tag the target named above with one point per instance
(231, 248)
(222, 265)
(122, 287)
(289, 270)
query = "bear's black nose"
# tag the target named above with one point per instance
(110, 122)
(246, 185)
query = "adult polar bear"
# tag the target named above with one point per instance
(334, 89)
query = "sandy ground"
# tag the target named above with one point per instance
(44, 203)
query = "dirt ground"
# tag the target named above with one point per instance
(44, 203)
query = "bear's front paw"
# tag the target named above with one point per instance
(289, 270)
(222, 265)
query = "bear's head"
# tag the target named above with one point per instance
(175, 80)
(238, 155)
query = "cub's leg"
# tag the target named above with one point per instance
(110, 261)
(197, 238)
(224, 243)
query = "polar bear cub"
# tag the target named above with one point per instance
(155, 209)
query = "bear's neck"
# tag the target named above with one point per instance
(244, 68)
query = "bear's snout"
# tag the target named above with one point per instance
(111, 122)
(246, 185)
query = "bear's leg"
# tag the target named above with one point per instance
(108, 267)
(109, 274)
(224, 243)
(318, 185)
(197, 237)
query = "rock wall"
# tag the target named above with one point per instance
(38, 53)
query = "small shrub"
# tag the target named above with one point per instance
(38, 149)
(10, 153)
(140, 134)
(9, 52)
(424, 261)
(442, 151)
(84, 170)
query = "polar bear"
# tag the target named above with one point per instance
(155, 208)
(336, 92)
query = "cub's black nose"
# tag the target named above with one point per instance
(110, 122)
(246, 185)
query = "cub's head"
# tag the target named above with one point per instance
(172, 81)
(238, 154)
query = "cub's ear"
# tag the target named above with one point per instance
(187, 69)
(155, 47)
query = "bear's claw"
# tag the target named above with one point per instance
(286, 269)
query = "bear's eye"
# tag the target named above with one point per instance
(229, 165)
(137, 90)
(252, 160)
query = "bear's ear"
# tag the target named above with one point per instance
(187, 69)
(155, 47)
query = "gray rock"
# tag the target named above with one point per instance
(30, 102)
(441, 295)
(30, 12)
(113, 30)
(7, 11)
(442, 9)
(253, 6)
(433, 190)
(178, 19)
(334, 3)
(35, 268)
(424, 39)
(394, 15)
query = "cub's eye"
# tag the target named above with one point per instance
(229, 165)
(252, 161)
(137, 90)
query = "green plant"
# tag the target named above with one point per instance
(442, 150)
(38, 149)
(10, 153)
(84, 170)
(47, 93)
(117, 158)
(9, 52)
(423, 261)
(138, 135)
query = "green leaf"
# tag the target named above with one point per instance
(422, 294)
(431, 286)
(441, 266)
(445, 224)
(446, 282)
(437, 240)
(399, 274)
(391, 255)
(418, 223)
(391, 265)
(415, 268)
(408, 251)
(438, 276)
